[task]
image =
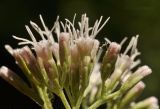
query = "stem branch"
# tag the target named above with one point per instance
(103, 100)
(44, 96)
(64, 100)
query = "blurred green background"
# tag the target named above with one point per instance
(128, 18)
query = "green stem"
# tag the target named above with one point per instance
(64, 100)
(104, 100)
(80, 98)
(78, 104)
(69, 96)
(103, 88)
(97, 104)
(44, 95)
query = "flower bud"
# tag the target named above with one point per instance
(149, 103)
(75, 65)
(64, 50)
(132, 94)
(43, 50)
(25, 58)
(135, 78)
(31, 62)
(65, 59)
(74, 54)
(94, 49)
(13, 79)
(55, 51)
(85, 46)
(74, 75)
(109, 60)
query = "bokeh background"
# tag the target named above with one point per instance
(128, 18)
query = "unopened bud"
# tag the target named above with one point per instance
(85, 46)
(18, 83)
(143, 71)
(64, 40)
(149, 103)
(28, 55)
(109, 60)
(94, 49)
(65, 59)
(55, 51)
(75, 65)
(135, 78)
(113, 50)
(74, 54)
(132, 94)
(14, 80)
(43, 50)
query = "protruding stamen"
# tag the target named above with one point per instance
(31, 34)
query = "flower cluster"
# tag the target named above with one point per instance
(68, 65)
